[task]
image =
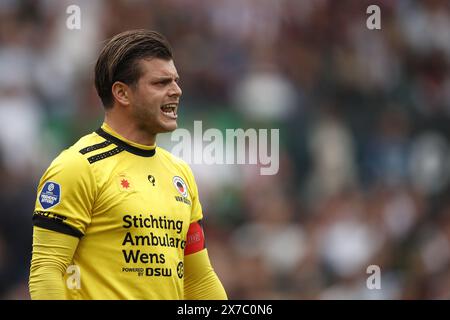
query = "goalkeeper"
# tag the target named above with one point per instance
(116, 216)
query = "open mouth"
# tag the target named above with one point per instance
(170, 110)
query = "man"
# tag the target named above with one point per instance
(117, 217)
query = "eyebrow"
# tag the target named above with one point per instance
(163, 78)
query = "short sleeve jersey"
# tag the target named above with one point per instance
(131, 206)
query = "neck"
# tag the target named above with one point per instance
(129, 130)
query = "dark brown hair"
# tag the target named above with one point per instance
(119, 59)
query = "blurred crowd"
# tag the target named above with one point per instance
(364, 135)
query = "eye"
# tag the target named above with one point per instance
(163, 82)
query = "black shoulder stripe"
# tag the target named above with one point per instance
(94, 147)
(126, 146)
(55, 225)
(105, 155)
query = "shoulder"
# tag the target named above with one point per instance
(177, 162)
(70, 169)
(75, 157)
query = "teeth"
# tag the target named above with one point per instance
(169, 108)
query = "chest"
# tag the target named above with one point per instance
(142, 196)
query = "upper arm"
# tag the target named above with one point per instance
(65, 196)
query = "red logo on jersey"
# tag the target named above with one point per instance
(125, 184)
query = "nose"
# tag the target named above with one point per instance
(175, 90)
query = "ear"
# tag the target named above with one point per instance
(121, 92)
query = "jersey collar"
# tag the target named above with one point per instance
(141, 150)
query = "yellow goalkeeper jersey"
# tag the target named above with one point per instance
(131, 206)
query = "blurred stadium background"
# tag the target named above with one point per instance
(364, 132)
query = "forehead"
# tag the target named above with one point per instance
(155, 67)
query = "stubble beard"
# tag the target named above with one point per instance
(148, 121)
(145, 121)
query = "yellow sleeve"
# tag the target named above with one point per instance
(201, 282)
(52, 254)
(66, 195)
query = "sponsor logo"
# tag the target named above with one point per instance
(139, 271)
(158, 272)
(50, 195)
